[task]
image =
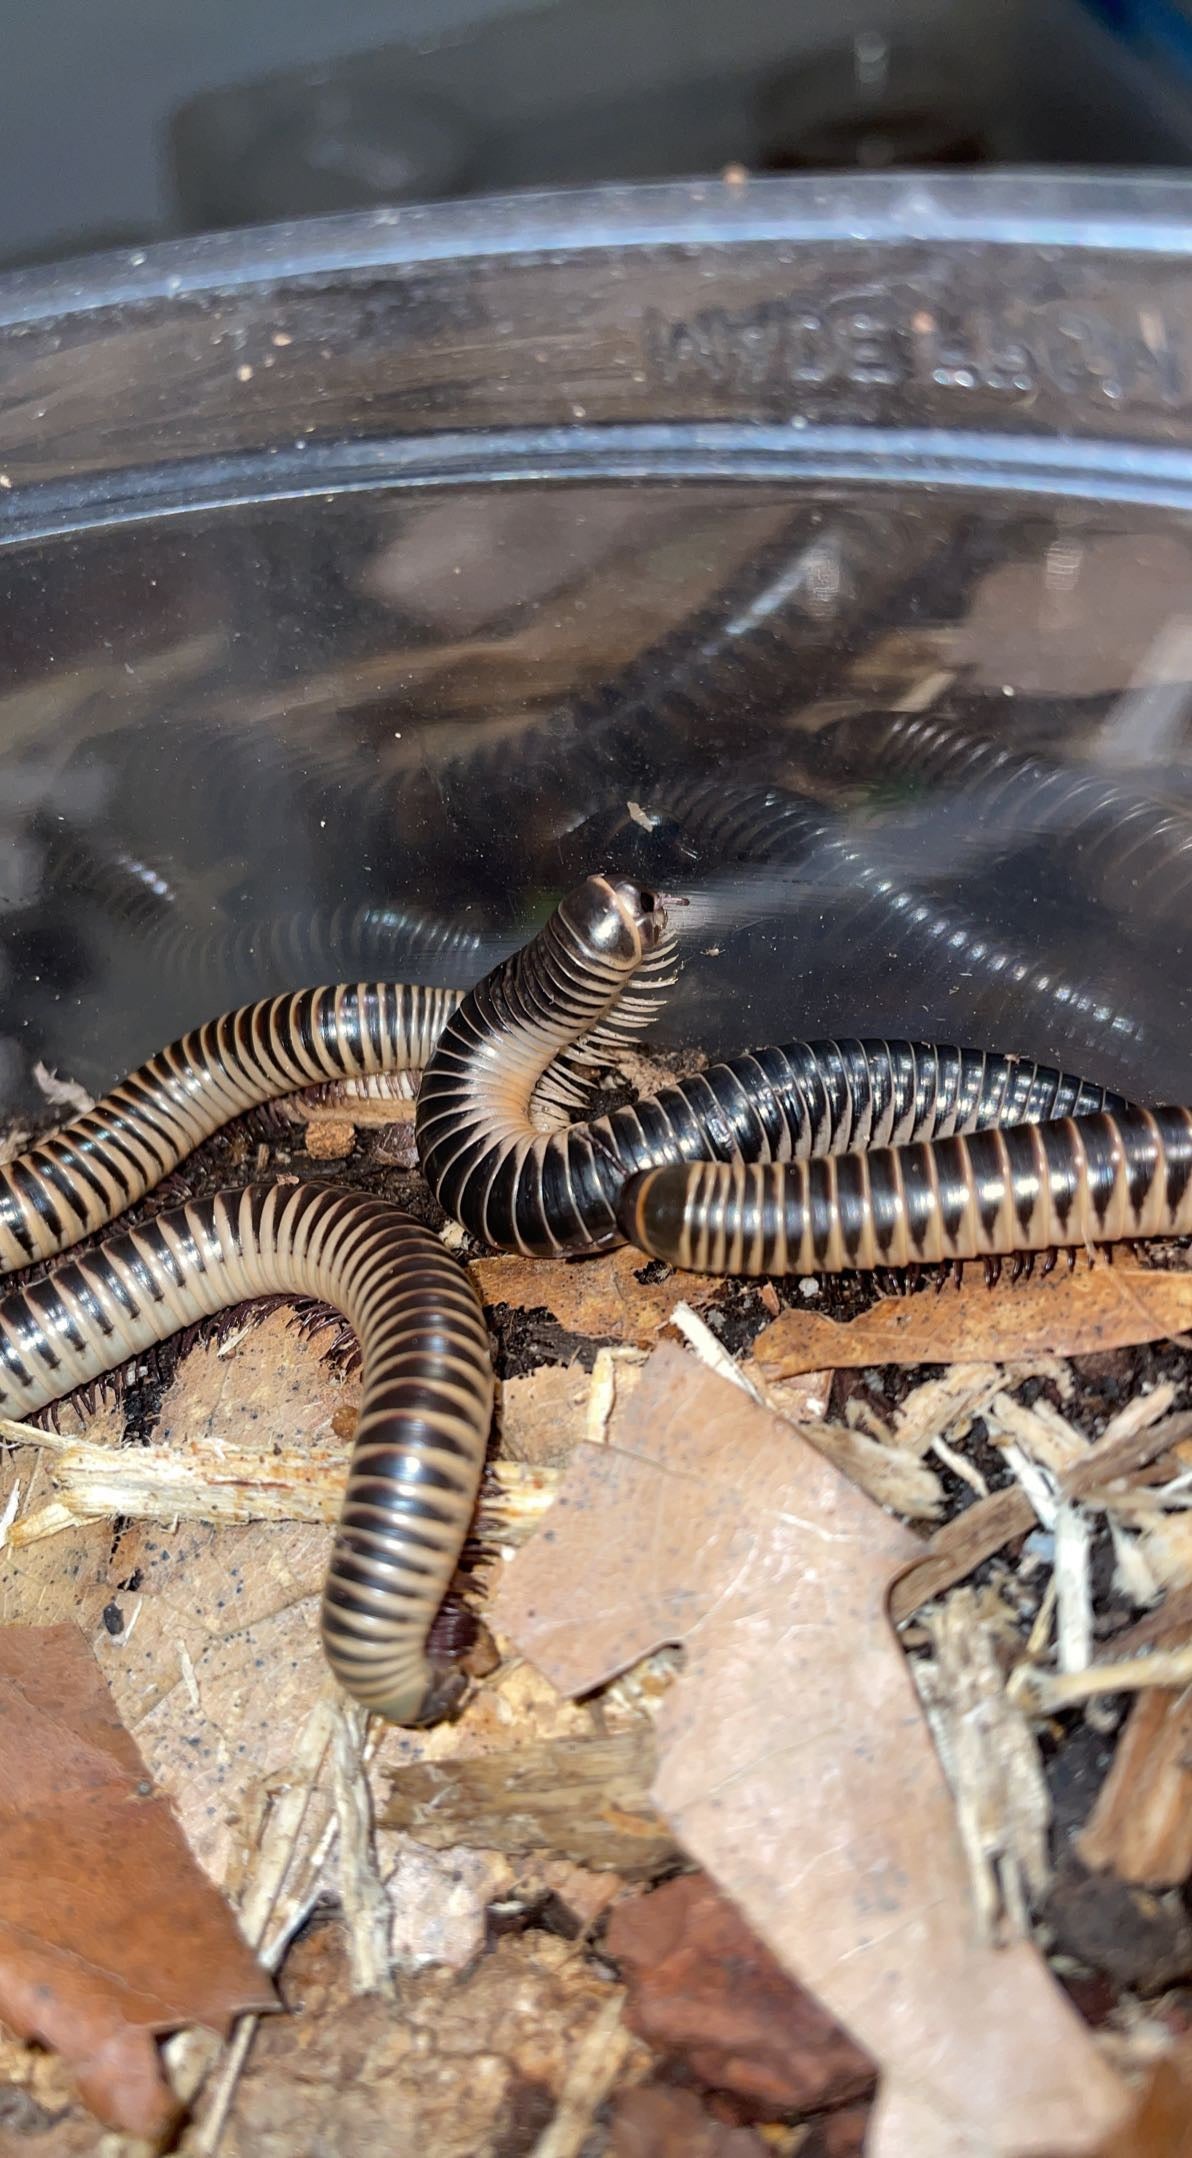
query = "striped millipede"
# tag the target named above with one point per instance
(855, 895)
(81, 1176)
(426, 1401)
(1070, 1184)
(373, 939)
(556, 1192)
(1134, 850)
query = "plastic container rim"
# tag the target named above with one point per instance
(1139, 213)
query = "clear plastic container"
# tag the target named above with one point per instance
(365, 582)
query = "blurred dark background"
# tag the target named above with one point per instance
(129, 121)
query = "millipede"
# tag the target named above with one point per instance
(1130, 850)
(426, 1397)
(83, 1175)
(1071, 1184)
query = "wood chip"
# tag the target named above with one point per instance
(992, 1763)
(585, 1799)
(1141, 1825)
(959, 1547)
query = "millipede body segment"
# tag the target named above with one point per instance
(1073, 1183)
(427, 1389)
(79, 1178)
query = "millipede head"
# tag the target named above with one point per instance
(617, 919)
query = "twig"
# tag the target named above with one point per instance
(1074, 1604)
(1038, 1693)
(366, 1907)
(709, 1350)
(594, 2069)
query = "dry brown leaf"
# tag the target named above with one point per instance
(795, 1764)
(109, 1933)
(269, 1387)
(1141, 1825)
(219, 1672)
(604, 1297)
(704, 1989)
(586, 1799)
(1098, 1307)
(211, 1649)
(544, 1414)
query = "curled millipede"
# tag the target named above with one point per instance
(81, 1176)
(599, 967)
(426, 1403)
(1073, 1183)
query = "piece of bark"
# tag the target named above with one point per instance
(1141, 1825)
(109, 1933)
(456, 2065)
(1098, 1307)
(602, 1297)
(795, 1764)
(705, 1989)
(585, 1799)
(992, 1762)
(1160, 2125)
(973, 1536)
(656, 2122)
(959, 1547)
(1120, 1461)
(1167, 1626)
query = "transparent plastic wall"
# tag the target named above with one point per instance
(818, 552)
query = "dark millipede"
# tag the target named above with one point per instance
(856, 894)
(1133, 849)
(602, 963)
(81, 1176)
(426, 1400)
(1074, 1183)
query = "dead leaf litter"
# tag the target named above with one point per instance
(838, 1728)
